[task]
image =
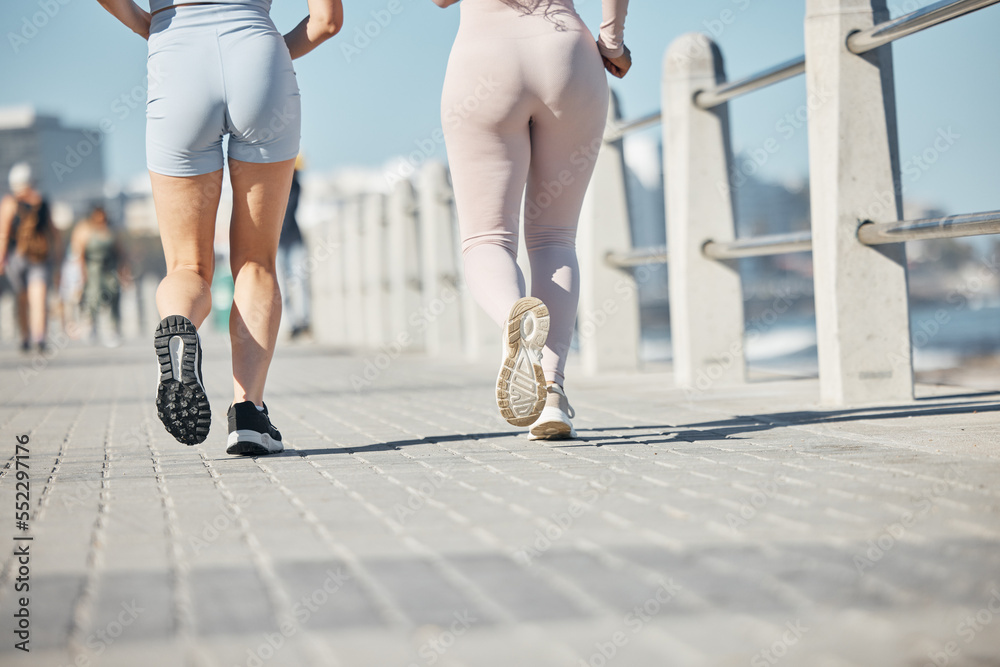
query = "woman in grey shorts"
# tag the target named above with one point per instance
(221, 68)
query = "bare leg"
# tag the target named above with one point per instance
(22, 315)
(260, 194)
(186, 209)
(37, 310)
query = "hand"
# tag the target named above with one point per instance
(619, 66)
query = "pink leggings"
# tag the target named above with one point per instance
(525, 102)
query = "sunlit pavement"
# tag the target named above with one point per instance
(407, 525)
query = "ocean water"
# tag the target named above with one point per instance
(943, 335)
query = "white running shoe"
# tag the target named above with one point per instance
(554, 422)
(521, 383)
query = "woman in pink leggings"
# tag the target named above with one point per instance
(524, 106)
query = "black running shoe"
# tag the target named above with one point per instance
(251, 432)
(181, 402)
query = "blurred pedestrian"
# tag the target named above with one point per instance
(293, 278)
(535, 74)
(28, 241)
(100, 254)
(221, 68)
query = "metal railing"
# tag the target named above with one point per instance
(713, 97)
(948, 227)
(859, 40)
(864, 41)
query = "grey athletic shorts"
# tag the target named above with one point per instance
(216, 70)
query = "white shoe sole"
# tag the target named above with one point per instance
(247, 442)
(521, 383)
(552, 424)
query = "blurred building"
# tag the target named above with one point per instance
(68, 162)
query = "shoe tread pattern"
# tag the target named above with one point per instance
(181, 405)
(521, 382)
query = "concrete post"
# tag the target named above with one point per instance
(374, 268)
(706, 296)
(353, 277)
(404, 266)
(440, 315)
(608, 317)
(862, 316)
(327, 305)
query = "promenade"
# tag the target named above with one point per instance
(407, 525)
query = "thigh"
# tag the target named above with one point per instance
(485, 117)
(566, 138)
(185, 210)
(260, 194)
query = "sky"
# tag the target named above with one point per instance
(368, 99)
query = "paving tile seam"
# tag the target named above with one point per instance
(279, 600)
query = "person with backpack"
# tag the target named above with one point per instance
(27, 246)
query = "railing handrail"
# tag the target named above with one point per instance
(759, 246)
(921, 19)
(619, 130)
(713, 97)
(637, 257)
(946, 227)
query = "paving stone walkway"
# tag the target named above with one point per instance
(406, 525)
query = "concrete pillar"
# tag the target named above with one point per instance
(706, 296)
(862, 316)
(608, 317)
(403, 245)
(440, 315)
(324, 243)
(374, 268)
(353, 276)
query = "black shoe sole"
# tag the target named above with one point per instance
(181, 405)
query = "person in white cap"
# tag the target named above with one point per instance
(27, 246)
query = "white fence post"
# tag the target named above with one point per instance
(404, 266)
(862, 316)
(327, 306)
(706, 296)
(608, 318)
(353, 276)
(440, 316)
(373, 269)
